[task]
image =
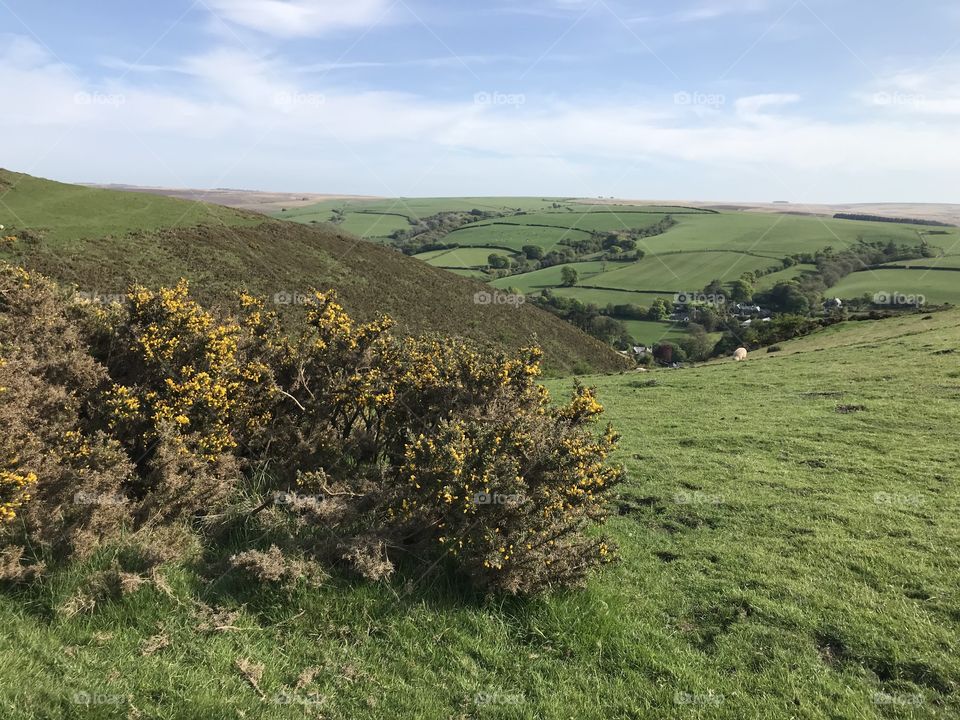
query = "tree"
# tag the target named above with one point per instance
(533, 252)
(569, 276)
(659, 311)
(498, 262)
(741, 291)
(697, 344)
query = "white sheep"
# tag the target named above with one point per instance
(740, 354)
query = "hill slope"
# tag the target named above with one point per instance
(784, 556)
(103, 240)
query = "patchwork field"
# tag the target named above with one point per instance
(702, 245)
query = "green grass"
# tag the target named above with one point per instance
(513, 236)
(688, 272)
(779, 235)
(586, 220)
(945, 261)
(649, 332)
(791, 273)
(534, 282)
(780, 559)
(464, 257)
(938, 286)
(63, 212)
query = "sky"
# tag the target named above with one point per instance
(736, 100)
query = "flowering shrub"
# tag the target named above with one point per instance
(447, 450)
(146, 411)
(60, 480)
(181, 376)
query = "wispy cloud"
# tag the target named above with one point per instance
(300, 18)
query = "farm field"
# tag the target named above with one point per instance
(807, 574)
(462, 257)
(791, 273)
(649, 332)
(585, 220)
(514, 236)
(938, 286)
(538, 280)
(945, 261)
(680, 272)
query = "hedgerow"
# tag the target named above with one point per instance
(375, 447)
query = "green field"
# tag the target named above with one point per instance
(945, 261)
(938, 286)
(550, 277)
(587, 220)
(463, 257)
(514, 236)
(791, 273)
(678, 272)
(648, 332)
(788, 537)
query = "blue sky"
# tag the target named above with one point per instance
(804, 100)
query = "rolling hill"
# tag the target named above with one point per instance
(101, 241)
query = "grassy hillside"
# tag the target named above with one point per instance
(102, 241)
(788, 540)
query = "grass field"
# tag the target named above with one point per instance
(791, 273)
(938, 286)
(514, 236)
(788, 536)
(689, 272)
(586, 220)
(463, 257)
(945, 261)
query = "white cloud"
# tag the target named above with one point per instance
(299, 18)
(751, 107)
(932, 93)
(241, 120)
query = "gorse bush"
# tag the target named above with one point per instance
(374, 448)
(61, 479)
